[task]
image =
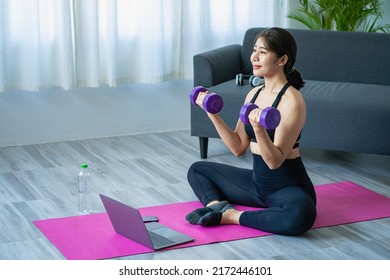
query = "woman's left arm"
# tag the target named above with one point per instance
(293, 117)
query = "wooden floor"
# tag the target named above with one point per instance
(39, 182)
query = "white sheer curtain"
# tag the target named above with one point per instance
(35, 44)
(88, 43)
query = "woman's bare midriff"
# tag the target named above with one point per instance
(293, 154)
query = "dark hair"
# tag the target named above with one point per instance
(283, 43)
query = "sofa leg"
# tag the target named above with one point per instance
(203, 144)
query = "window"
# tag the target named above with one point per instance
(65, 43)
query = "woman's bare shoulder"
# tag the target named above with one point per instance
(252, 93)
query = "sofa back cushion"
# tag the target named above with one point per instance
(355, 57)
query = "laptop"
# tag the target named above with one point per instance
(127, 221)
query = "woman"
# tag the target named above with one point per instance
(278, 181)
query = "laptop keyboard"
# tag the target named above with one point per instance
(159, 240)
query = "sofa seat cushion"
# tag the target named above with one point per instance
(347, 115)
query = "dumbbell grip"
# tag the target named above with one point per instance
(195, 92)
(245, 111)
(212, 103)
(269, 117)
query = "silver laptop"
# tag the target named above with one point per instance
(127, 221)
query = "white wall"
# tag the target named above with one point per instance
(56, 115)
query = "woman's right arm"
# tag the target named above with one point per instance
(236, 140)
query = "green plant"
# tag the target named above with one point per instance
(341, 15)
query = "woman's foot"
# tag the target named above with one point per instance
(227, 215)
(194, 216)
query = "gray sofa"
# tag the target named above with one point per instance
(347, 89)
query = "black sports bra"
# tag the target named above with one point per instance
(271, 132)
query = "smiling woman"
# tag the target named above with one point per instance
(69, 44)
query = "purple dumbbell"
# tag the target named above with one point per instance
(212, 102)
(269, 117)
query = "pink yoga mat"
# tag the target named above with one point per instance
(92, 236)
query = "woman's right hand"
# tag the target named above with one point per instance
(200, 98)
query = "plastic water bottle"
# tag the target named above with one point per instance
(84, 190)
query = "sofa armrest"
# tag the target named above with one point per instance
(217, 66)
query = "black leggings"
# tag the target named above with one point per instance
(287, 193)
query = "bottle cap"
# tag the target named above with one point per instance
(84, 165)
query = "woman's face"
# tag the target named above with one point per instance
(264, 61)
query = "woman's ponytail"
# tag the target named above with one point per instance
(295, 78)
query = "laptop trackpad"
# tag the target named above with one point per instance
(161, 230)
(168, 232)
